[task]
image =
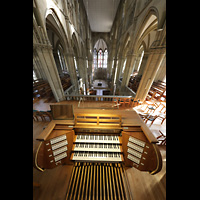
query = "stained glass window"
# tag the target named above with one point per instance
(105, 58)
(95, 58)
(100, 58)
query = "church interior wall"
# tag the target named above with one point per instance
(132, 27)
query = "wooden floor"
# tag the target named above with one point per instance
(54, 182)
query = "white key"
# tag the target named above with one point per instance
(58, 139)
(58, 145)
(110, 157)
(136, 141)
(134, 159)
(60, 156)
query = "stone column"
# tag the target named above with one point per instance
(152, 66)
(69, 57)
(81, 67)
(37, 62)
(162, 71)
(90, 61)
(137, 61)
(120, 65)
(85, 74)
(57, 61)
(45, 54)
(111, 55)
(113, 75)
(143, 63)
(35, 68)
(128, 69)
(109, 63)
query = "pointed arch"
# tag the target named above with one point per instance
(75, 45)
(52, 20)
(100, 44)
(150, 23)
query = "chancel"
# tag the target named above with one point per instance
(99, 99)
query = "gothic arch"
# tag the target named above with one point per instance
(101, 43)
(75, 45)
(104, 37)
(150, 23)
(123, 46)
(52, 20)
(83, 52)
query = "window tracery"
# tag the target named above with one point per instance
(100, 58)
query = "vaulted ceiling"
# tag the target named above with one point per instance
(101, 14)
(100, 44)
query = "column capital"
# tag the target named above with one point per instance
(158, 50)
(42, 46)
(130, 53)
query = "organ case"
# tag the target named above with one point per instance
(139, 152)
(101, 141)
(54, 147)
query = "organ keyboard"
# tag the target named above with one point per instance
(96, 147)
(101, 139)
(97, 156)
(97, 138)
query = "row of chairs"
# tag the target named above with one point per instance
(161, 138)
(134, 82)
(42, 115)
(42, 89)
(152, 118)
(65, 81)
(125, 102)
(157, 91)
(153, 111)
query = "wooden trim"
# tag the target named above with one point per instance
(86, 119)
(45, 133)
(149, 134)
(159, 160)
(99, 127)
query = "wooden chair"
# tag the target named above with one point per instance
(145, 104)
(122, 102)
(45, 114)
(163, 109)
(127, 102)
(37, 115)
(163, 140)
(143, 116)
(116, 102)
(151, 118)
(162, 117)
(153, 108)
(132, 102)
(135, 102)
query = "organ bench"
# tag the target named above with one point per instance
(100, 144)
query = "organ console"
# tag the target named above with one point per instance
(100, 145)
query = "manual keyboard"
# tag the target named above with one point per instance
(106, 148)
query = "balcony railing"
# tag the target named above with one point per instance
(96, 97)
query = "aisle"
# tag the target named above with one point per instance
(99, 92)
